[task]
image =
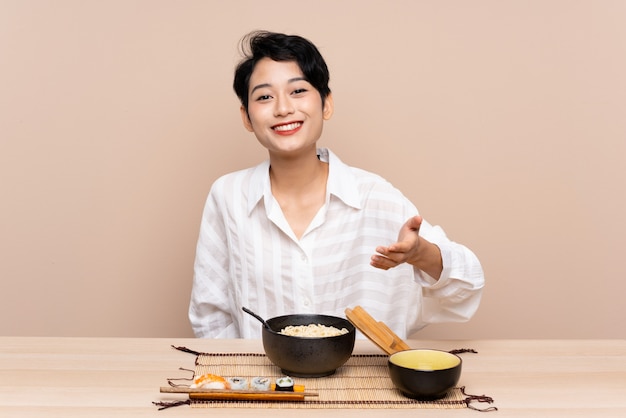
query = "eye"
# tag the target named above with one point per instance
(263, 97)
(300, 91)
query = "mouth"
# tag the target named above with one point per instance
(287, 128)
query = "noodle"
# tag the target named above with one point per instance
(312, 330)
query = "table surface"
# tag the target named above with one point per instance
(104, 377)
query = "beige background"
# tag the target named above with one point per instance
(504, 121)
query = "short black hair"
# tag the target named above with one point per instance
(280, 47)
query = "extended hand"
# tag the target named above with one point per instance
(406, 250)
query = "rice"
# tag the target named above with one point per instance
(312, 330)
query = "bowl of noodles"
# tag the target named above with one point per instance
(308, 345)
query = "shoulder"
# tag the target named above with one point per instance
(372, 183)
(238, 190)
(363, 188)
(368, 177)
(228, 179)
(240, 180)
(358, 175)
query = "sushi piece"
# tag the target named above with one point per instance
(260, 383)
(210, 381)
(284, 384)
(238, 383)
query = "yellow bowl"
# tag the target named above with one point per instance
(424, 373)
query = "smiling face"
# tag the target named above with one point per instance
(285, 111)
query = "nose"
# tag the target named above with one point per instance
(283, 106)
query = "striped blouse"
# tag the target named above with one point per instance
(248, 256)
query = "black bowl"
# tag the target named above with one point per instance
(308, 356)
(424, 374)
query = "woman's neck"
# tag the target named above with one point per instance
(295, 175)
(299, 187)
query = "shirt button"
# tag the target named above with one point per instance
(307, 302)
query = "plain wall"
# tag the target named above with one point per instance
(504, 122)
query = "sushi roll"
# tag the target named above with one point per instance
(210, 381)
(238, 383)
(284, 384)
(260, 383)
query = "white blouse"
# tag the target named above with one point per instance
(247, 255)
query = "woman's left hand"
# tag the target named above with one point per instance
(404, 251)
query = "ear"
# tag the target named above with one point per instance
(329, 107)
(245, 119)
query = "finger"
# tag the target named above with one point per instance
(381, 250)
(415, 222)
(398, 247)
(382, 262)
(386, 255)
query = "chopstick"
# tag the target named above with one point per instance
(197, 393)
(397, 342)
(378, 332)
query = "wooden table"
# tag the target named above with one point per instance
(116, 377)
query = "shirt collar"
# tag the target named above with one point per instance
(259, 185)
(341, 181)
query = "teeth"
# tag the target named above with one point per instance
(288, 127)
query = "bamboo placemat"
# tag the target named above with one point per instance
(362, 382)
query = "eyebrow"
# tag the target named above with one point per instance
(291, 80)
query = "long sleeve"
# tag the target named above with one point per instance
(456, 295)
(209, 310)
